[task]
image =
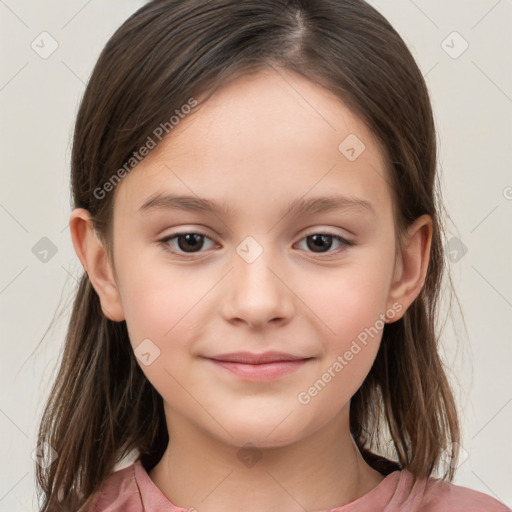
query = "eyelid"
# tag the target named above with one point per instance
(315, 230)
(327, 231)
(167, 238)
(345, 243)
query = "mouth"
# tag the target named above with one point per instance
(259, 367)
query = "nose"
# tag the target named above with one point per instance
(258, 290)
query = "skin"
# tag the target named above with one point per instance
(258, 143)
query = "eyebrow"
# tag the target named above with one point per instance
(298, 207)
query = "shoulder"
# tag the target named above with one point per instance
(119, 493)
(435, 495)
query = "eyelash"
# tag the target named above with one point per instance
(165, 243)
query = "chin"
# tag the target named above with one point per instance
(268, 431)
(245, 438)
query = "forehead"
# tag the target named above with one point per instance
(264, 138)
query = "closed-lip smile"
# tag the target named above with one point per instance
(254, 358)
(266, 366)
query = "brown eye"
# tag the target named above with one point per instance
(190, 242)
(321, 243)
(318, 243)
(185, 243)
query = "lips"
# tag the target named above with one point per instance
(267, 366)
(253, 358)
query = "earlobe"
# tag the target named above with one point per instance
(95, 261)
(412, 267)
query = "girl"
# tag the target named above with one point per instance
(257, 216)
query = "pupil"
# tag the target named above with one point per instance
(191, 241)
(321, 240)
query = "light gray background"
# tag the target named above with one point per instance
(472, 99)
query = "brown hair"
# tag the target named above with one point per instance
(101, 406)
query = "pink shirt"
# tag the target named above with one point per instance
(131, 490)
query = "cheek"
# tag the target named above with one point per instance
(160, 302)
(348, 351)
(351, 299)
(350, 306)
(162, 309)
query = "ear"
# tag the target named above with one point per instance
(412, 264)
(96, 263)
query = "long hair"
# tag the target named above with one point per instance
(101, 406)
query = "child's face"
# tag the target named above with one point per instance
(256, 284)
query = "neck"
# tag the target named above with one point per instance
(322, 471)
